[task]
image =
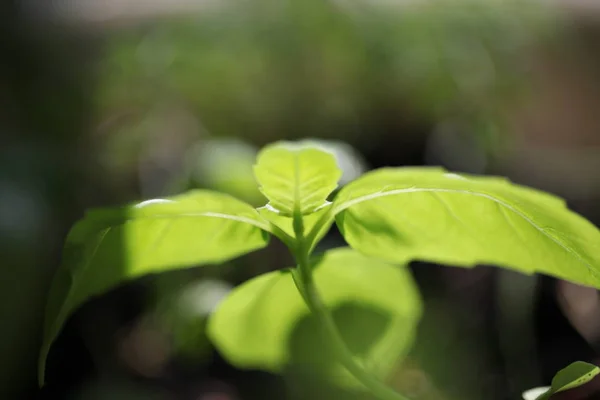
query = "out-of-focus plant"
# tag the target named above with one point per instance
(327, 67)
(183, 306)
(362, 298)
(225, 165)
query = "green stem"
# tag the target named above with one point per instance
(307, 288)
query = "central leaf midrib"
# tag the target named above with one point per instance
(297, 207)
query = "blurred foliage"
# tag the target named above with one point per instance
(226, 165)
(183, 303)
(266, 70)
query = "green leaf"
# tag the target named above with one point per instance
(285, 224)
(111, 246)
(402, 214)
(573, 376)
(296, 177)
(258, 324)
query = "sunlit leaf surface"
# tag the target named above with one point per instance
(296, 176)
(400, 214)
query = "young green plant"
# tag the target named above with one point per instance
(388, 217)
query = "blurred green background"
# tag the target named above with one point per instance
(105, 102)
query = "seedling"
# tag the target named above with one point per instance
(388, 217)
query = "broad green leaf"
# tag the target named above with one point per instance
(111, 246)
(296, 177)
(575, 375)
(402, 214)
(256, 325)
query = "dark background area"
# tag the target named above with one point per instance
(103, 102)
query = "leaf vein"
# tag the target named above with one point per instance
(344, 205)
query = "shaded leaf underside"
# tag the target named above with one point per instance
(252, 327)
